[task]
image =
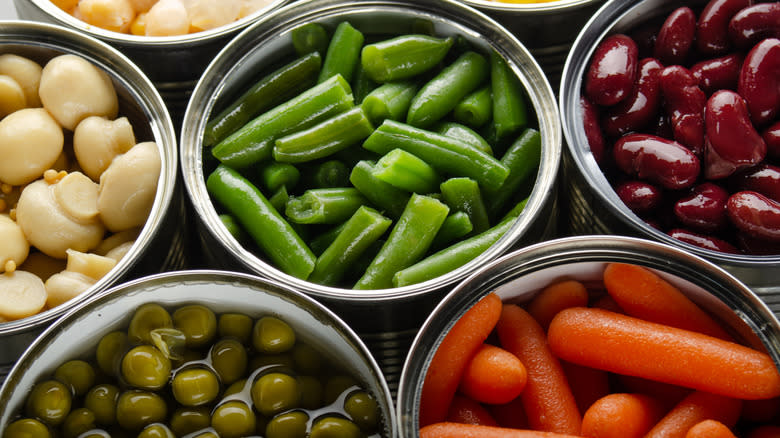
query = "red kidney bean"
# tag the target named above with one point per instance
(703, 241)
(657, 160)
(639, 196)
(685, 103)
(640, 108)
(718, 73)
(704, 209)
(590, 121)
(759, 81)
(771, 137)
(612, 71)
(676, 36)
(712, 29)
(732, 143)
(757, 246)
(754, 23)
(755, 214)
(663, 126)
(764, 179)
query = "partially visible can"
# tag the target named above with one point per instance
(161, 243)
(517, 277)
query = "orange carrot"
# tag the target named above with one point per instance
(587, 384)
(621, 415)
(452, 356)
(709, 429)
(493, 376)
(510, 414)
(627, 345)
(694, 408)
(766, 431)
(466, 410)
(606, 302)
(643, 294)
(547, 398)
(556, 297)
(455, 430)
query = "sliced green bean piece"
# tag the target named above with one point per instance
(325, 138)
(279, 199)
(359, 232)
(275, 175)
(475, 109)
(330, 174)
(465, 134)
(265, 225)
(362, 84)
(522, 159)
(407, 172)
(463, 194)
(403, 57)
(343, 53)
(271, 90)
(324, 206)
(409, 240)
(255, 141)
(510, 112)
(389, 101)
(442, 93)
(456, 225)
(384, 196)
(310, 37)
(322, 241)
(232, 226)
(445, 154)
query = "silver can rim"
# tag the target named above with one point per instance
(535, 8)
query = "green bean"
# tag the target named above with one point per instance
(407, 172)
(445, 154)
(343, 53)
(324, 206)
(442, 93)
(522, 159)
(386, 197)
(475, 109)
(358, 233)
(509, 107)
(330, 174)
(265, 225)
(322, 241)
(390, 100)
(232, 226)
(325, 138)
(463, 194)
(409, 239)
(254, 141)
(465, 134)
(456, 225)
(403, 57)
(362, 84)
(271, 90)
(275, 175)
(279, 199)
(310, 37)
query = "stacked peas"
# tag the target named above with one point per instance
(196, 373)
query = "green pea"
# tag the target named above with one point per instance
(197, 322)
(229, 359)
(77, 375)
(206, 434)
(235, 325)
(156, 430)
(288, 425)
(101, 400)
(187, 420)
(275, 392)
(77, 422)
(235, 388)
(311, 392)
(109, 352)
(146, 318)
(195, 386)
(272, 335)
(363, 410)
(307, 359)
(136, 409)
(171, 342)
(50, 401)
(283, 360)
(233, 419)
(335, 427)
(146, 367)
(336, 385)
(27, 428)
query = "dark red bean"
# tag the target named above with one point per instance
(712, 29)
(754, 23)
(732, 143)
(759, 81)
(764, 179)
(755, 214)
(640, 108)
(718, 73)
(685, 103)
(663, 126)
(757, 246)
(657, 160)
(676, 36)
(612, 71)
(704, 209)
(592, 126)
(771, 137)
(639, 196)
(703, 241)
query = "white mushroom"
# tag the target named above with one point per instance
(13, 245)
(128, 187)
(30, 142)
(73, 89)
(11, 96)
(117, 239)
(167, 18)
(26, 72)
(98, 140)
(208, 14)
(92, 265)
(22, 294)
(66, 285)
(116, 15)
(118, 253)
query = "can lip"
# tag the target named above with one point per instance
(616, 16)
(265, 34)
(546, 7)
(142, 92)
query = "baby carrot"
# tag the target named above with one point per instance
(510, 414)
(450, 360)
(466, 410)
(692, 409)
(493, 376)
(547, 398)
(643, 294)
(456, 430)
(628, 345)
(709, 429)
(556, 297)
(621, 415)
(587, 384)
